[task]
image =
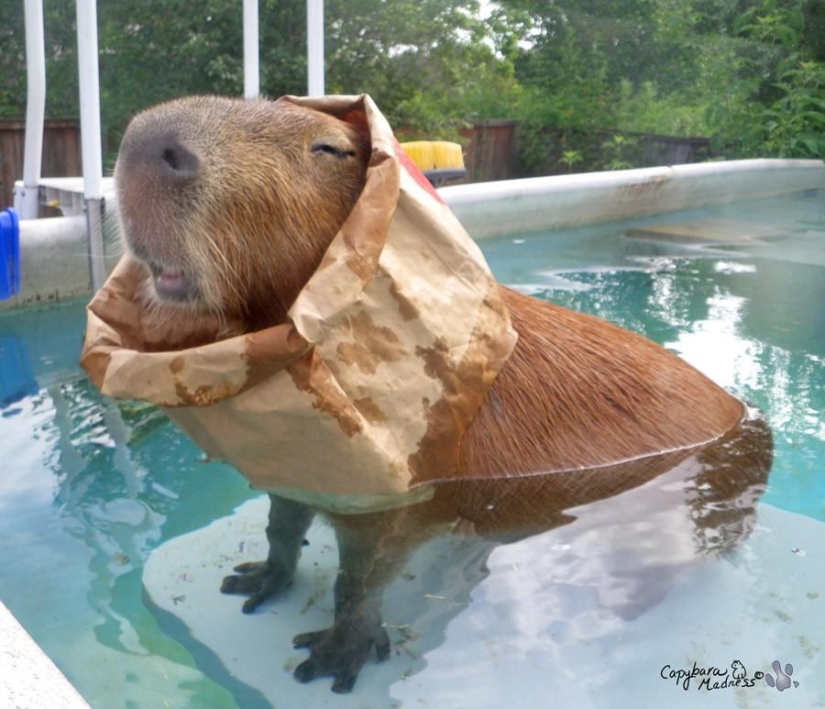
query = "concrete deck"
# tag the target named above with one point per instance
(29, 679)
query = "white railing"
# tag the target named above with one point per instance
(26, 200)
(315, 47)
(251, 68)
(27, 195)
(89, 83)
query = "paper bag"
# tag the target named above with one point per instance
(389, 352)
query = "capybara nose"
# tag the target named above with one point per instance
(148, 157)
(173, 160)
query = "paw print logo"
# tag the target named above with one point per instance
(783, 678)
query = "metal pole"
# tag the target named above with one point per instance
(27, 201)
(87, 62)
(97, 246)
(89, 98)
(315, 47)
(251, 61)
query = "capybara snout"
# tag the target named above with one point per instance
(231, 202)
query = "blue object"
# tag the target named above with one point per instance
(9, 254)
(17, 379)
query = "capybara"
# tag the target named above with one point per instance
(230, 206)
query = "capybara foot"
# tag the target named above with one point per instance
(341, 651)
(257, 579)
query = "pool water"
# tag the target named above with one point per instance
(91, 488)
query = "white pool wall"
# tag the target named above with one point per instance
(54, 261)
(491, 209)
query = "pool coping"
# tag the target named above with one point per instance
(54, 253)
(492, 209)
(28, 678)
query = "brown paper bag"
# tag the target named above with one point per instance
(366, 393)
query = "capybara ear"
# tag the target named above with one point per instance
(357, 118)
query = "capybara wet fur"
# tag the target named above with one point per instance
(230, 205)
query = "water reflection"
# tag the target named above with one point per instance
(16, 376)
(85, 496)
(593, 551)
(745, 324)
(715, 344)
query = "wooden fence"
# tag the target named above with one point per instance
(61, 153)
(494, 150)
(491, 151)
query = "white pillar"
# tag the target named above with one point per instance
(87, 62)
(315, 47)
(89, 81)
(251, 61)
(27, 201)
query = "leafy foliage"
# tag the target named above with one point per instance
(748, 74)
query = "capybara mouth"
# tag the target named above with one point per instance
(172, 284)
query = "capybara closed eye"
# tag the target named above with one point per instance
(230, 207)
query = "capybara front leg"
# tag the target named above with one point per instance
(288, 523)
(372, 548)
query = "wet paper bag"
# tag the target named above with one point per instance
(391, 348)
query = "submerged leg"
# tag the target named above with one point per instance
(372, 548)
(288, 523)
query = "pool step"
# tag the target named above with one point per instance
(712, 230)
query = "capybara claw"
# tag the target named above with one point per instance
(248, 567)
(341, 651)
(251, 604)
(259, 580)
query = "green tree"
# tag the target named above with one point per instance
(781, 88)
(747, 73)
(61, 58)
(429, 64)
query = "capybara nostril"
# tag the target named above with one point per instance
(148, 156)
(174, 161)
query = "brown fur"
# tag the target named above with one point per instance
(253, 223)
(581, 392)
(244, 197)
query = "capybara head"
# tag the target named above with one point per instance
(230, 204)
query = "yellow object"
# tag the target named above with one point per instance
(434, 154)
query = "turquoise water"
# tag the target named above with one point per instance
(753, 323)
(91, 487)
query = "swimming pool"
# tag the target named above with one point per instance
(104, 503)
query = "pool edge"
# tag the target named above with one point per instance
(491, 209)
(55, 265)
(28, 678)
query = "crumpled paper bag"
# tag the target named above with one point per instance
(391, 348)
